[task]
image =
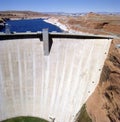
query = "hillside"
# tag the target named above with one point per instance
(21, 14)
(94, 23)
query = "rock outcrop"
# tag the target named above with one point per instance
(2, 23)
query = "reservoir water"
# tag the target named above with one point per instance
(32, 25)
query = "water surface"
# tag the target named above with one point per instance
(32, 25)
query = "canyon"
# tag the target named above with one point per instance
(103, 104)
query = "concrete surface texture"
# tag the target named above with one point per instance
(53, 86)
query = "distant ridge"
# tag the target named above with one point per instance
(29, 14)
(21, 14)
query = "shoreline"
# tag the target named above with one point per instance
(55, 22)
(28, 18)
(63, 27)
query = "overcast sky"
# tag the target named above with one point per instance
(62, 5)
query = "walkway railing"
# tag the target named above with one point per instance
(46, 37)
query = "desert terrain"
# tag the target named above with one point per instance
(108, 24)
(21, 14)
(104, 104)
(14, 15)
(92, 23)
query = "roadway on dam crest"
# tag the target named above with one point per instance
(53, 86)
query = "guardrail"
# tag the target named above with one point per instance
(14, 35)
(46, 37)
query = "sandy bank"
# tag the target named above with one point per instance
(55, 21)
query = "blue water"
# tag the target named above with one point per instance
(32, 25)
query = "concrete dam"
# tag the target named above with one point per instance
(54, 83)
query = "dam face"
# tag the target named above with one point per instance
(54, 86)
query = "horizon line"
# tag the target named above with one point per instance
(63, 11)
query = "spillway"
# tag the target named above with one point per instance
(50, 87)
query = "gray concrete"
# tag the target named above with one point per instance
(24, 35)
(53, 86)
(46, 41)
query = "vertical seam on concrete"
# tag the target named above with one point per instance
(11, 77)
(25, 70)
(54, 85)
(20, 76)
(68, 80)
(47, 68)
(88, 61)
(42, 83)
(58, 100)
(34, 78)
(1, 85)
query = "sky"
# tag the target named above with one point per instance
(69, 6)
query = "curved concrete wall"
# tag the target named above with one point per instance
(54, 86)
